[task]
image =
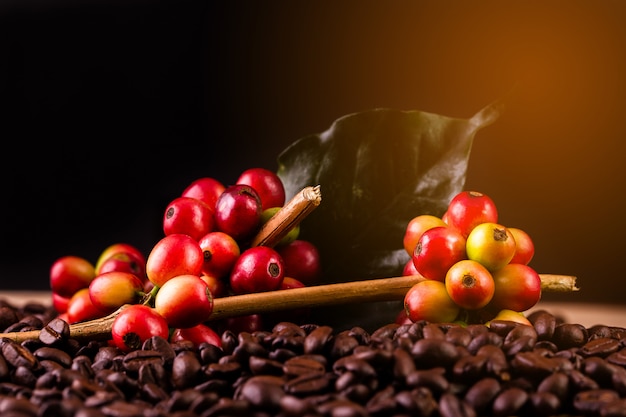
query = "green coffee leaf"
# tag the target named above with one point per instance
(378, 169)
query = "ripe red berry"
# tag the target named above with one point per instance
(189, 216)
(173, 255)
(301, 259)
(469, 284)
(113, 289)
(468, 209)
(238, 212)
(267, 184)
(220, 252)
(437, 250)
(135, 324)
(429, 300)
(206, 189)
(69, 274)
(257, 269)
(184, 301)
(524, 247)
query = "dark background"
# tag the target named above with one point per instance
(108, 110)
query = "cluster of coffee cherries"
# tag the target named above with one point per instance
(474, 268)
(206, 252)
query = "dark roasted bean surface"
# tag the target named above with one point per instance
(426, 369)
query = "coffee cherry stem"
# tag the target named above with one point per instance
(372, 290)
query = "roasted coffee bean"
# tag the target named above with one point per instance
(292, 405)
(403, 364)
(433, 331)
(593, 400)
(226, 371)
(432, 352)
(186, 369)
(360, 334)
(162, 346)
(543, 404)
(308, 384)
(469, 368)
(509, 401)
(358, 392)
(132, 361)
(55, 332)
(355, 365)
(618, 358)
(599, 370)
(480, 396)
(484, 338)
(382, 403)
(600, 346)
(497, 364)
(300, 365)
(317, 340)
(83, 365)
(17, 406)
(536, 366)
(17, 355)
(419, 402)
(385, 332)
(229, 341)
(264, 366)
(434, 379)
(262, 392)
(209, 353)
(452, 406)
(502, 327)
(4, 368)
(8, 316)
(342, 345)
(341, 407)
(378, 358)
(556, 383)
(569, 335)
(53, 354)
(581, 382)
(458, 335)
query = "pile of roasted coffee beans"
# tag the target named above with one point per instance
(422, 368)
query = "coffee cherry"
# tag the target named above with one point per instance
(517, 288)
(124, 262)
(173, 255)
(188, 216)
(135, 324)
(301, 260)
(491, 244)
(238, 212)
(111, 290)
(469, 284)
(205, 189)
(267, 184)
(257, 269)
(69, 274)
(80, 307)
(198, 334)
(524, 246)
(184, 301)
(437, 250)
(429, 300)
(416, 227)
(133, 253)
(220, 253)
(468, 209)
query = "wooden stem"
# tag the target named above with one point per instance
(288, 217)
(383, 289)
